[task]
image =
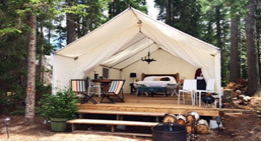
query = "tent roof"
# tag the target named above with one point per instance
(153, 35)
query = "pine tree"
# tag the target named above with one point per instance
(234, 40)
(184, 15)
(252, 49)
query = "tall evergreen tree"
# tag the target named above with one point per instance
(31, 74)
(93, 18)
(234, 40)
(12, 55)
(70, 22)
(184, 15)
(252, 49)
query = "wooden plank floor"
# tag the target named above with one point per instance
(157, 104)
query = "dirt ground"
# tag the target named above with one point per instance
(236, 127)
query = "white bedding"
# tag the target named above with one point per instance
(151, 81)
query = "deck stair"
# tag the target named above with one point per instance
(119, 113)
(114, 123)
(111, 123)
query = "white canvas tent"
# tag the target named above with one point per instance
(119, 43)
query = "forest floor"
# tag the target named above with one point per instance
(236, 127)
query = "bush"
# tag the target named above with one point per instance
(61, 105)
(10, 100)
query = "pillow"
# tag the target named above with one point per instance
(156, 79)
(165, 79)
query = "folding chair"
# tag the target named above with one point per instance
(79, 86)
(116, 88)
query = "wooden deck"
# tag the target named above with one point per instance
(156, 104)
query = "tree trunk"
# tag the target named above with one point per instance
(40, 65)
(234, 53)
(258, 25)
(71, 36)
(218, 27)
(219, 41)
(252, 51)
(169, 12)
(31, 74)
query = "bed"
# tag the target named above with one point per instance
(154, 83)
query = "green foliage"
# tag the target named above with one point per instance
(10, 100)
(61, 105)
(93, 18)
(20, 110)
(116, 7)
(41, 89)
(76, 9)
(187, 15)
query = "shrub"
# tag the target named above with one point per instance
(61, 105)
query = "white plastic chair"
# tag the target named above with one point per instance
(189, 85)
(209, 89)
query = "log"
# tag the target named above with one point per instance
(202, 127)
(192, 116)
(181, 120)
(169, 118)
(231, 85)
(189, 128)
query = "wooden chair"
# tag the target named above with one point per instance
(114, 92)
(81, 88)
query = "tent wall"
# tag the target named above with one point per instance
(63, 72)
(165, 64)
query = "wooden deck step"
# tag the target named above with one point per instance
(151, 108)
(110, 122)
(110, 112)
(115, 133)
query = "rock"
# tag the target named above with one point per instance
(240, 137)
(237, 93)
(251, 132)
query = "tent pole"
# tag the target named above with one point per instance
(66, 56)
(121, 71)
(130, 56)
(53, 75)
(130, 45)
(109, 67)
(219, 84)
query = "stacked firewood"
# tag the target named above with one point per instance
(236, 91)
(191, 121)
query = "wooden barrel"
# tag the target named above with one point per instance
(169, 118)
(181, 120)
(202, 127)
(192, 115)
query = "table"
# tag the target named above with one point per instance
(132, 88)
(104, 83)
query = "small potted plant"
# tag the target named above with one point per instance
(58, 108)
